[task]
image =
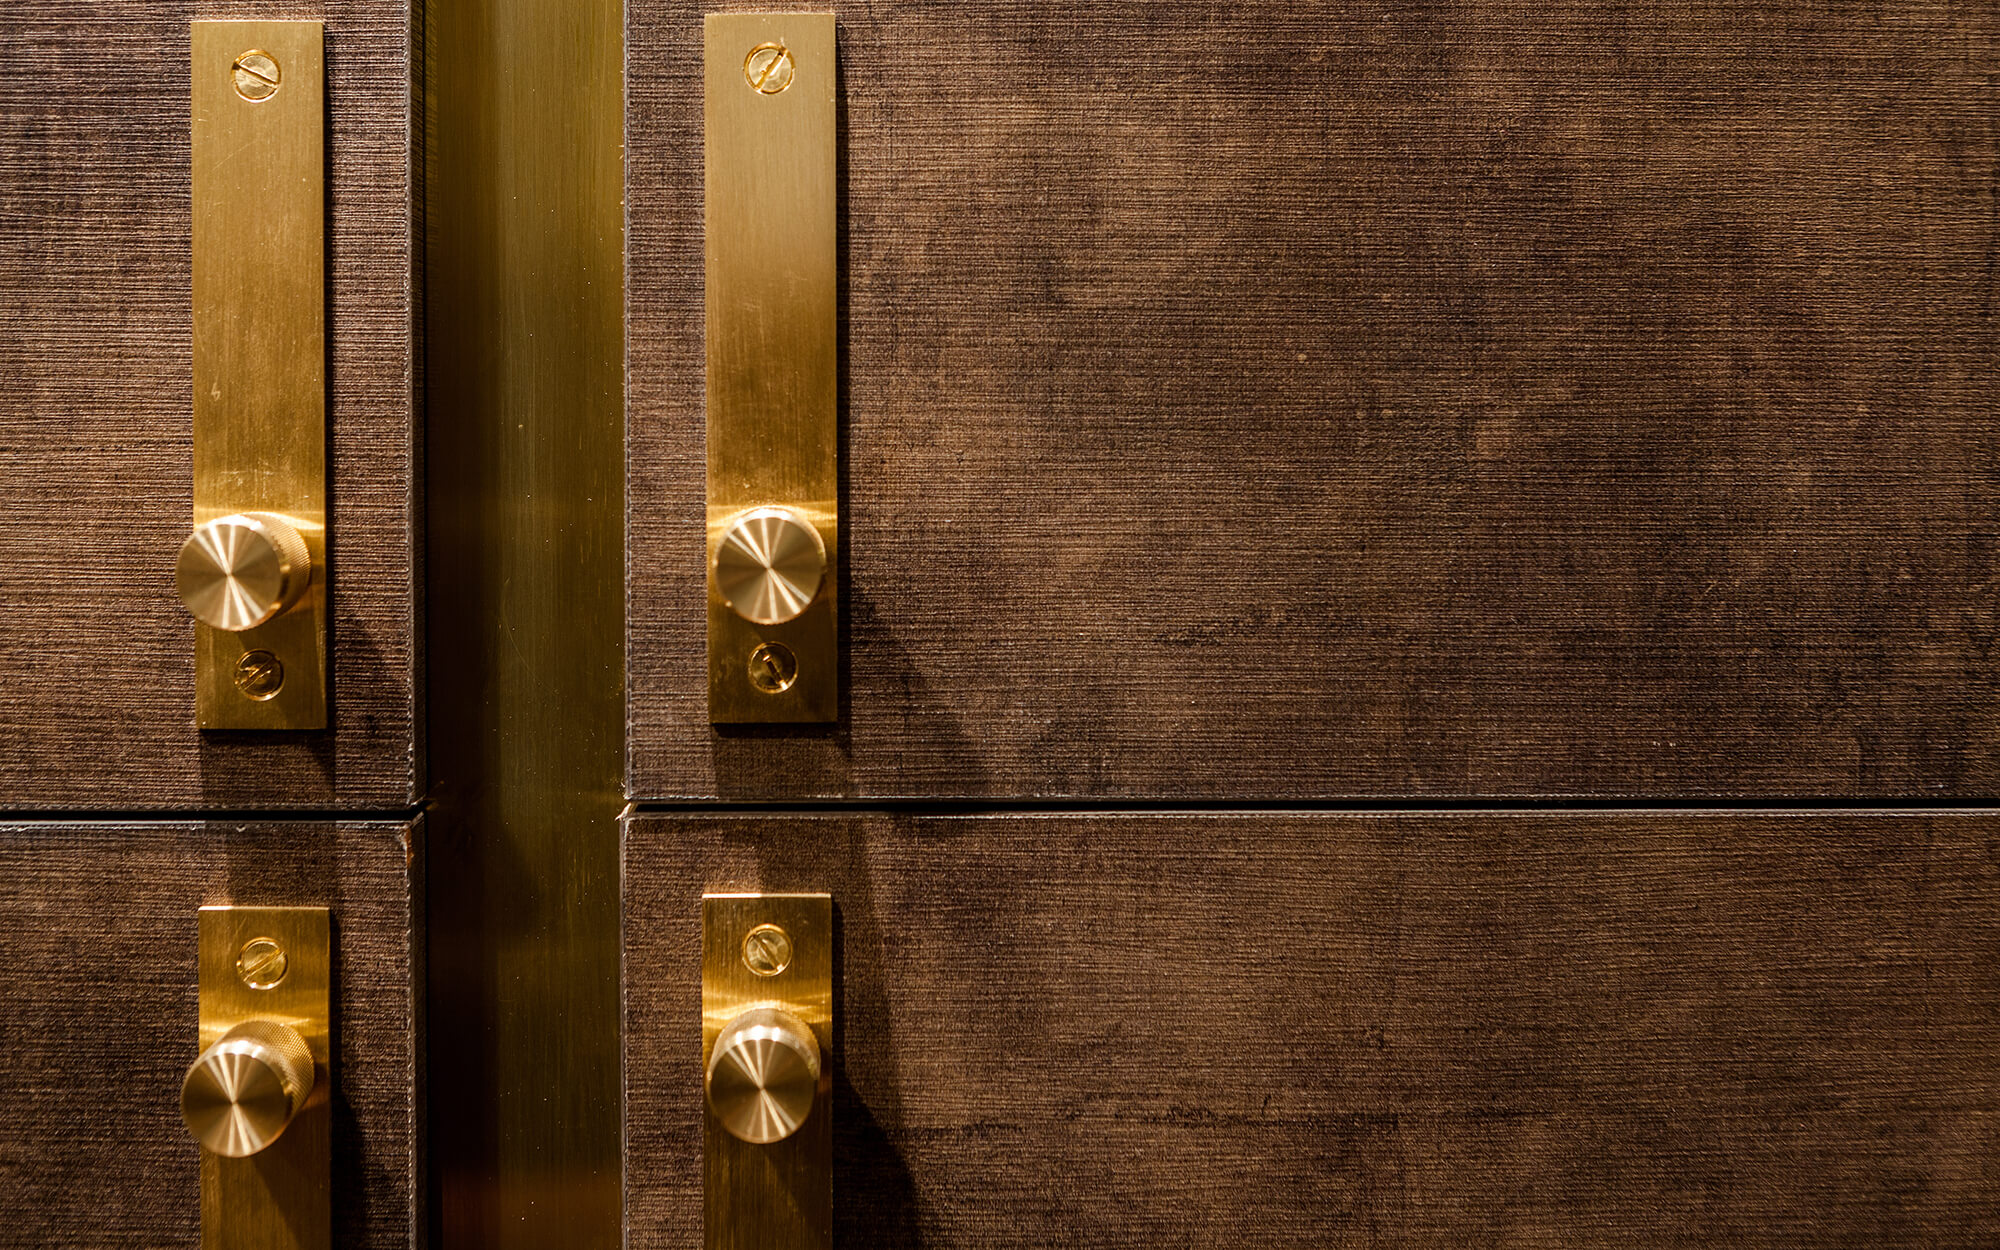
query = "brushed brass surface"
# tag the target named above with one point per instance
(237, 572)
(763, 1075)
(774, 1192)
(769, 565)
(525, 508)
(276, 1197)
(242, 1092)
(259, 250)
(262, 963)
(771, 343)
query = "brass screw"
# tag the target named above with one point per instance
(769, 67)
(773, 667)
(256, 75)
(259, 675)
(767, 950)
(262, 963)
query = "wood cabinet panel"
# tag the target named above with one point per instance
(1266, 1029)
(97, 978)
(1357, 400)
(96, 653)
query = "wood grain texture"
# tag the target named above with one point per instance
(1289, 1030)
(97, 975)
(96, 668)
(1364, 399)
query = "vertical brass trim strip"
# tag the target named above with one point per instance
(524, 315)
(259, 349)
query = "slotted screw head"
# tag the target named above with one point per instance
(773, 667)
(769, 68)
(262, 963)
(767, 950)
(259, 675)
(256, 75)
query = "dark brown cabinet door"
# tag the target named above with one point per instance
(100, 893)
(1304, 401)
(1257, 413)
(1264, 411)
(97, 694)
(98, 1019)
(1329, 1030)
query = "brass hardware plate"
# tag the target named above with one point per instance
(259, 238)
(779, 1196)
(280, 1197)
(772, 359)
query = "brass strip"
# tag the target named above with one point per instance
(524, 605)
(777, 1196)
(259, 279)
(772, 354)
(280, 1197)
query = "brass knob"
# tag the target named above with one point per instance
(763, 1075)
(246, 1088)
(236, 572)
(769, 565)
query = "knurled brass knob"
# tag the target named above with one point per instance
(769, 565)
(242, 1092)
(763, 1075)
(236, 572)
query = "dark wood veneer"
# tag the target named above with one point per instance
(96, 667)
(1294, 1030)
(98, 1021)
(1282, 400)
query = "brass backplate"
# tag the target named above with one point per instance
(280, 1197)
(780, 1196)
(259, 238)
(772, 355)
